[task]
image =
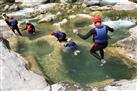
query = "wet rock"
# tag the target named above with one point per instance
(30, 2)
(6, 7)
(125, 6)
(13, 7)
(84, 16)
(91, 2)
(34, 10)
(122, 85)
(5, 31)
(95, 8)
(48, 18)
(59, 25)
(63, 22)
(72, 17)
(130, 43)
(59, 13)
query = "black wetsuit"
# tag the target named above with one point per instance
(96, 46)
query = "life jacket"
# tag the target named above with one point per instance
(59, 34)
(29, 28)
(101, 35)
(71, 45)
(13, 22)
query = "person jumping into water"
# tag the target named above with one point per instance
(61, 36)
(100, 38)
(73, 46)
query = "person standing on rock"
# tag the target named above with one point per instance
(14, 25)
(5, 18)
(100, 38)
(30, 28)
(61, 36)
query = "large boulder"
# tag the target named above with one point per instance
(14, 74)
(122, 86)
(30, 2)
(130, 43)
(37, 9)
(125, 6)
(47, 18)
(112, 2)
(5, 31)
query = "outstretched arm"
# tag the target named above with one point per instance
(86, 36)
(110, 29)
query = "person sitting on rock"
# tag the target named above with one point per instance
(30, 28)
(14, 25)
(5, 18)
(73, 46)
(61, 36)
(100, 38)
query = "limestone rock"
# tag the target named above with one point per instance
(130, 43)
(122, 85)
(6, 7)
(5, 31)
(96, 8)
(48, 18)
(13, 7)
(125, 6)
(15, 75)
(30, 2)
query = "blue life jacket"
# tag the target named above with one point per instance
(101, 35)
(13, 22)
(72, 45)
(59, 34)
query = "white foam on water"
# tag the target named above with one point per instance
(120, 23)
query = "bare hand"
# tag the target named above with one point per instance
(75, 31)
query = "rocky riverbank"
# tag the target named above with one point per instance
(19, 73)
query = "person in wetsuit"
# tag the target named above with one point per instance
(100, 38)
(30, 28)
(14, 25)
(61, 36)
(73, 46)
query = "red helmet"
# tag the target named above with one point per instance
(52, 33)
(11, 17)
(96, 19)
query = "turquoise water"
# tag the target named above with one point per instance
(83, 68)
